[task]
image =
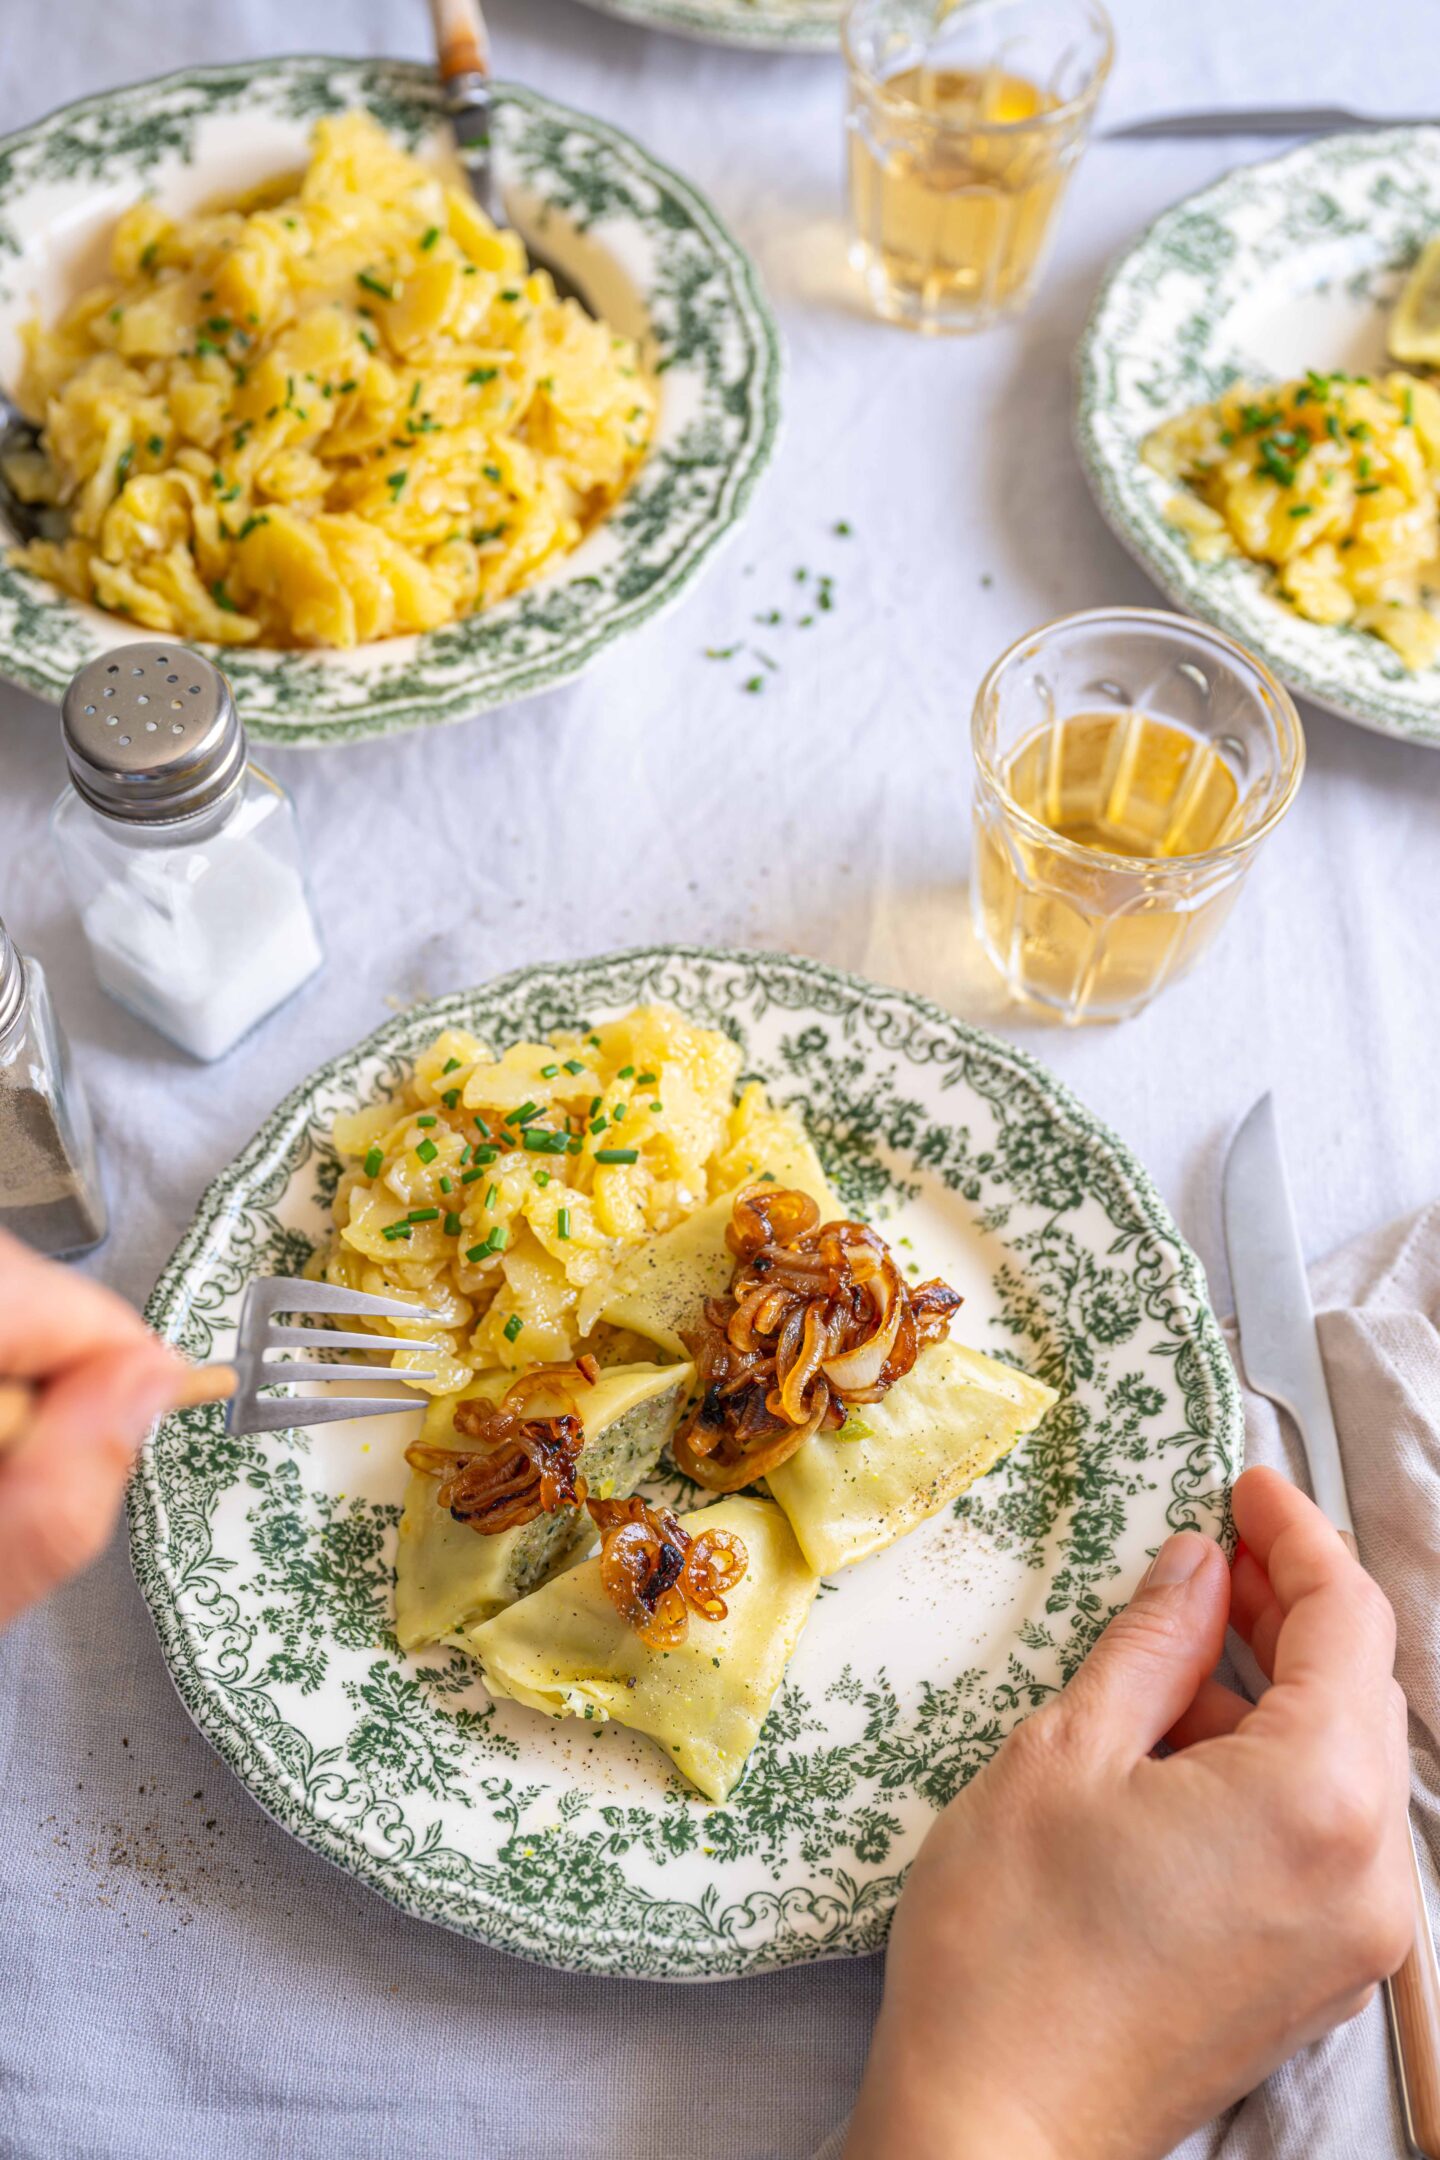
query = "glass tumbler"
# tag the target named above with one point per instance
(964, 125)
(1128, 764)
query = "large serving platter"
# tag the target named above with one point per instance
(267, 1562)
(1290, 264)
(643, 245)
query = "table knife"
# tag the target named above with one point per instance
(1280, 1352)
(1260, 120)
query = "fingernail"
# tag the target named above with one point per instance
(1177, 1560)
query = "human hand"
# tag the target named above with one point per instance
(1097, 1949)
(101, 1379)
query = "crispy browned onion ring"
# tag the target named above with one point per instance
(516, 1457)
(818, 1318)
(655, 1574)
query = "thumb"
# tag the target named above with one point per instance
(1147, 1666)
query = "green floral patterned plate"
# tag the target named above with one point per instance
(645, 247)
(267, 1562)
(1282, 266)
(763, 25)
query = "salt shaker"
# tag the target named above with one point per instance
(182, 857)
(50, 1190)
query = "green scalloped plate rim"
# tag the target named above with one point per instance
(41, 655)
(758, 28)
(1318, 662)
(700, 1940)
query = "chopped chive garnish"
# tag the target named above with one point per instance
(480, 1251)
(427, 1151)
(598, 1124)
(573, 1065)
(451, 1098)
(548, 1072)
(374, 1161)
(397, 1230)
(542, 1178)
(369, 283)
(626, 1072)
(492, 1196)
(574, 1145)
(450, 1065)
(445, 1185)
(469, 1176)
(395, 481)
(423, 1214)
(482, 375)
(646, 1079)
(485, 1156)
(618, 1113)
(452, 1226)
(512, 1327)
(617, 1154)
(595, 1102)
(658, 1108)
(562, 1223)
(429, 237)
(499, 1238)
(464, 1154)
(428, 1119)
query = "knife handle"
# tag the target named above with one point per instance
(462, 43)
(1412, 2005)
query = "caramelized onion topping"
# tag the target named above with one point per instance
(516, 1457)
(655, 1574)
(818, 1318)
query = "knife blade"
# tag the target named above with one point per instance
(1258, 120)
(1281, 1355)
(1278, 1343)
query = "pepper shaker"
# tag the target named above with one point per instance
(182, 857)
(50, 1190)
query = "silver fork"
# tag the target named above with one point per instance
(260, 1331)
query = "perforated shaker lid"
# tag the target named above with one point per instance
(151, 733)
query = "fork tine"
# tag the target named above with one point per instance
(250, 1416)
(269, 1294)
(323, 1338)
(286, 1369)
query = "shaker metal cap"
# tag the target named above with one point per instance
(152, 733)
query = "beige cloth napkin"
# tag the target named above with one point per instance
(1378, 1307)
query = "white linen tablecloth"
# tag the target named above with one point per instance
(179, 1977)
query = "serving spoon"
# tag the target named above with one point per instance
(462, 52)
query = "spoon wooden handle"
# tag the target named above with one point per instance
(462, 43)
(202, 1384)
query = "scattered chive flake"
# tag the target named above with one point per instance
(428, 1119)
(598, 1125)
(222, 599)
(754, 685)
(512, 1327)
(423, 1214)
(156, 445)
(562, 1223)
(397, 1230)
(370, 283)
(479, 376)
(123, 463)
(451, 1226)
(468, 1177)
(374, 1162)
(573, 1065)
(429, 237)
(842, 529)
(548, 1072)
(427, 1151)
(1299, 510)
(646, 1079)
(617, 1154)
(492, 1196)
(396, 480)
(445, 1185)
(450, 1065)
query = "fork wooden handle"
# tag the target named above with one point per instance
(462, 43)
(1412, 2004)
(202, 1384)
